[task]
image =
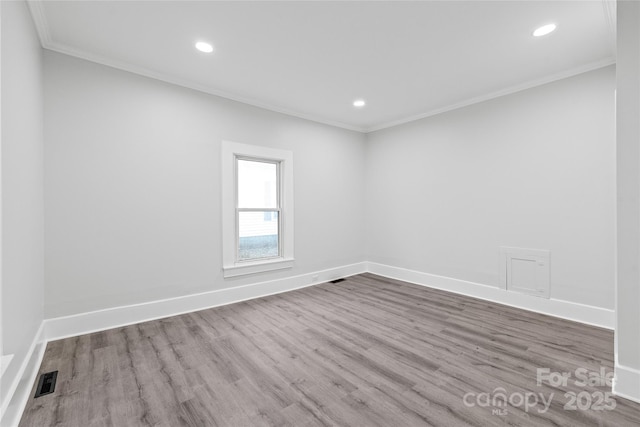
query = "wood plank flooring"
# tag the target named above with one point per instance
(368, 351)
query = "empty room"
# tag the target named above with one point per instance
(320, 213)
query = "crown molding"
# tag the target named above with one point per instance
(36, 7)
(37, 11)
(507, 91)
(57, 47)
(609, 9)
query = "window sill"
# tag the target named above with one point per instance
(242, 269)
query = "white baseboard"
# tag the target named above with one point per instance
(590, 315)
(84, 323)
(15, 398)
(626, 383)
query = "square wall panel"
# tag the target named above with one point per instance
(526, 271)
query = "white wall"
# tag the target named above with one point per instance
(132, 187)
(628, 148)
(22, 187)
(535, 169)
(132, 193)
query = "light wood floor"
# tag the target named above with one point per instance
(368, 351)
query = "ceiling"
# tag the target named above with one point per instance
(313, 59)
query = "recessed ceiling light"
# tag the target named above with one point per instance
(544, 30)
(204, 47)
(359, 103)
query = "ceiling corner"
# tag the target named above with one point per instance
(609, 8)
(36, 7)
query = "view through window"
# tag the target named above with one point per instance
(258, 209)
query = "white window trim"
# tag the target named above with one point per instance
(230, 266)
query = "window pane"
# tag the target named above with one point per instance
(257, 184)
(258, 235)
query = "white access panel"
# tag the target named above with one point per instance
(526, 271)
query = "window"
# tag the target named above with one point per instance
(257, 209)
